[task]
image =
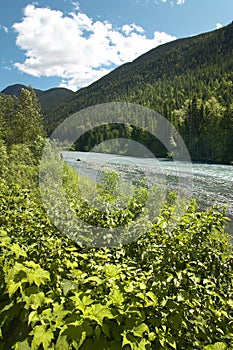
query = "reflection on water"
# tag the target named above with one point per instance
(208, 183)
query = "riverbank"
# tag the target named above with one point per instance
(209, 184)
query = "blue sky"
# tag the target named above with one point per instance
(72, 43)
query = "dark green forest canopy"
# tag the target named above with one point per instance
(184, 80)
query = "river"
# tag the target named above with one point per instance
(209, 184)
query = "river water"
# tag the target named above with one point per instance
(209, 184)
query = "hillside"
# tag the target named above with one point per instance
(195, 71)
(14, 90)
(167, 75)
(48, 98)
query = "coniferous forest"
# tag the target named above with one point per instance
(188, 81)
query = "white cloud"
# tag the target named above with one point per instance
(129, 28)
(76, 48)
(76, 5)
(218, 25)
(177, 2)
(180, 2)
(4, 28)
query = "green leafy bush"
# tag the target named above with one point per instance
(169, 289)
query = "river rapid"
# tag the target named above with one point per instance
(209, 184)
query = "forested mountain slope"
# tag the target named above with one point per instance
(48, 98)
(189, 81)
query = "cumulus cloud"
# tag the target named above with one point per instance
(129, 28)
(76, 48)
(218, 25)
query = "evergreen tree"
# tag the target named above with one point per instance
(226, 127)
(7, 118)
(28, 118)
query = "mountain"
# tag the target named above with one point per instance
(189, 81)
(14, 90)
(48, 99)
(165, 76)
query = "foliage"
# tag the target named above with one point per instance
(169, 289)
(21, 119)
(3, 159)
(206, 127)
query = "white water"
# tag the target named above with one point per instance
(208, 183)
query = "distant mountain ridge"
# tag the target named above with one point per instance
(164, 77)
(48, 98)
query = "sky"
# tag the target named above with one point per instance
(69, 43)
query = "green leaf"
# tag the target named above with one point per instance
(81, 304)
(15, 277)
(34, 301)
(82, 339)
(68, 286)
(216, 346)
(12, 287)
(62, 343)
(58, 314)
(142, 345)
(23, 346)
(95, 279)
(139, 330)
(15, 248)
(116, 297)
(33, 317)
(125, 340)
(41, 335)
(106, 329)
(112, 270)
(142, 286)
(97, 312)
(141, 296)
(32, 264)
(153, 297)
(38, 276)
(4, 238)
